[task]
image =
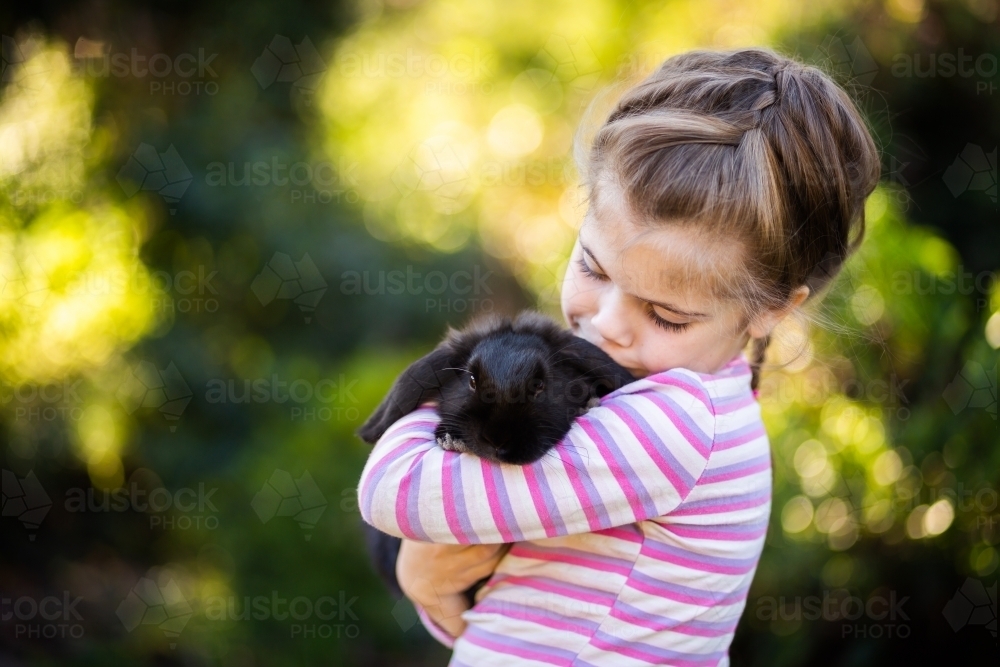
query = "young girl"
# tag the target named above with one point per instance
(724, 190)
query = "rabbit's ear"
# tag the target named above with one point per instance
(421, 381)
(593, 363)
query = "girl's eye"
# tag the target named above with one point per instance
(589, 272)
(472, 382)
(676, 327)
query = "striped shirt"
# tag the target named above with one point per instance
(635, 539)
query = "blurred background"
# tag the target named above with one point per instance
(226, 227)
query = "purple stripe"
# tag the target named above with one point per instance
(638, 489)
(674, 466)
(730, 404)
(539, 615)
(461, 513)
(557, 587)
(413, 503)
(692, 432)
(672, 554)
(695, 596)
(518, 647)
(725, 504)
(566, 554)
(740, 532)
(736, 470)
(375, 477)
(683, 383)
(504, 501)
(658, 622)
(594, 501)
(653, 654)
(739, 436)
(550, 502)
(378, 472)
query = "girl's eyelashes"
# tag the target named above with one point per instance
(665, 324)
(589, 272)
(675, 327)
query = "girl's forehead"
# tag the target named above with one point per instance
(663, 261)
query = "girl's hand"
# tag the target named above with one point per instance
(435, 576)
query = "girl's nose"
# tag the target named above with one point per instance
(611, 320)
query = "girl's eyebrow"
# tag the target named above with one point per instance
(665, 306)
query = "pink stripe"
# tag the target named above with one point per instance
(708, 533)
(722, 508)
(629, 534)
(578, 489)
(390, 456)
(682, 628)
(534, 487)
(650, 658)
(448, 491)
(597, 597)
(620, 476)
(736, 474)
(691, 564)
(721, 445)
(404, 490)
(524, 549)
(509, 649)
(548, 618)
(682, 425)
(671, 381)
(494, 502)
(650, 448)
(733, 406)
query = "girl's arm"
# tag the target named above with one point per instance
(634, 457)
(435, 576)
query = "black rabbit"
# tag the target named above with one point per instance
(507, 390)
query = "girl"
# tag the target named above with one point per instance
(724, 190)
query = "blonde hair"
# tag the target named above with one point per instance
(751, 145)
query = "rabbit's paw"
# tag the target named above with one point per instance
(451, 444)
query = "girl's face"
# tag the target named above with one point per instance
(625, 291)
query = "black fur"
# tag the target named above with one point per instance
(530, 379)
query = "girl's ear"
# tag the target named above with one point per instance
(421, 381)
(762, 325)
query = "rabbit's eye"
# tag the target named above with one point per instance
(472, 382)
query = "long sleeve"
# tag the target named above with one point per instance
(435, 630)
(636, 456)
